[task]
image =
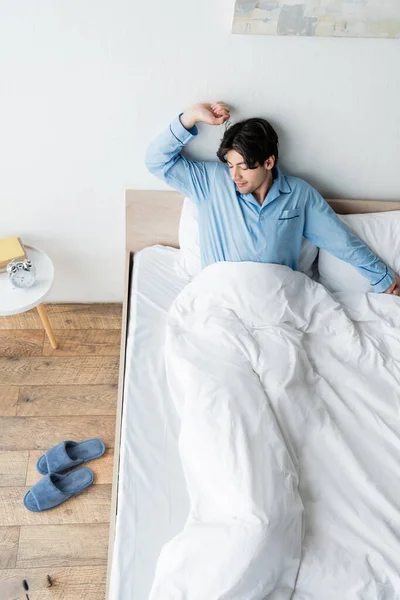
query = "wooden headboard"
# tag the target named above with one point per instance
(152, 217)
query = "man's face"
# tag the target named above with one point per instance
(248, 180)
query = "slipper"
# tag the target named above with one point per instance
(68, 454)
(54, 489)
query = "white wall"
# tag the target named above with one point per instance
(84, 86)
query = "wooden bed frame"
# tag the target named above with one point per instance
(152, 217)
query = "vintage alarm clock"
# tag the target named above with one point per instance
(22, 273)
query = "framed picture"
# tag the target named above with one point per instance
(337, 18)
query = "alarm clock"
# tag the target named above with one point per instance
(22, 273)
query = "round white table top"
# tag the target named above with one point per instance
(15, 300)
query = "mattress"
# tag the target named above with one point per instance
(152, 498)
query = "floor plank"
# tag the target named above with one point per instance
(84, 342)
(68, 583)
(27, 320)
(59, 370)
(21, 343)
(9, 537)
(102, 468)
(90, 506)
(67, 400)
(13, 468)
(59, 546)
(8, 400)
(68, 316)
(41, 433)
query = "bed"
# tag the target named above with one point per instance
(150, 502)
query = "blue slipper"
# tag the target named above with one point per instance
(54, 489)
(68, 454)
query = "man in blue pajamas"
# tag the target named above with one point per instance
(248, 209)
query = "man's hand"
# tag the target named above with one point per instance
(212, 114)
(395, 287)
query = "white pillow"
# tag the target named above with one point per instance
(189, 240)
(189, 260)
(381, 232)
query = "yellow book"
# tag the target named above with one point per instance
(10, 248)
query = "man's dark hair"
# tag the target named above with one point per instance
(255, 139)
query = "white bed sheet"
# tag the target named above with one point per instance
(152, 498)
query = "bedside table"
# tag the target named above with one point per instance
(15, 300)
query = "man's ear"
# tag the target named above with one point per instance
(269, 163)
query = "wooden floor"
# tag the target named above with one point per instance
(47, 396)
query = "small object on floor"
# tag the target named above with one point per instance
(69, 454)
(49, 581)
(54, 489)
(26, 587)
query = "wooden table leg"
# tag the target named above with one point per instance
(46, 324)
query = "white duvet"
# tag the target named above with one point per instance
(289, 401)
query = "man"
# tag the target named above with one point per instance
(249, 210)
